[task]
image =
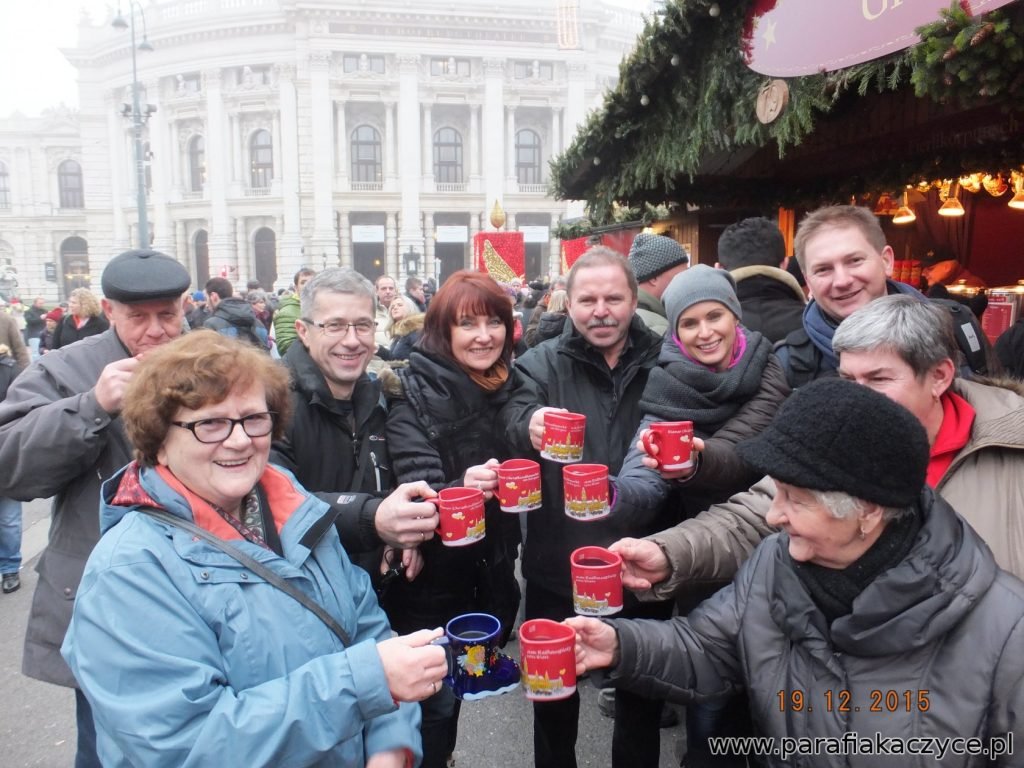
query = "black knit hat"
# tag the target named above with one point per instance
(834, 435)
(650, 255)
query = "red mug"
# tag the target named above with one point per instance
(519, 485)
(461, 511)
(596, 581)
(585, 488)
(674, 440)
(563, 436)
(547, 659)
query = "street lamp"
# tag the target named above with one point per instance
(137, 114)
(412, 260)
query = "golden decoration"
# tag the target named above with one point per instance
(497, 216)
(495, 265)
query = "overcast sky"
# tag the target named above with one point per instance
(35, 74)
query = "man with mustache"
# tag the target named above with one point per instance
(598, 366)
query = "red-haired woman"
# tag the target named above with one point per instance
(442, 430)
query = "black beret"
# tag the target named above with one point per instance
(141, 275)
(834, 435)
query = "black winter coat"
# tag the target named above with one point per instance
(943, 629)
(443, 424)
(66, 333)
(566, 372)
(772, 301)
(339, 455)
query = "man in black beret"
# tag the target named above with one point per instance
(60, 436)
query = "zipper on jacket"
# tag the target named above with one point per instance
(376, 470)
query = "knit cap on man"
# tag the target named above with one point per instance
(650, 255)
(697, 284)
(834, 435)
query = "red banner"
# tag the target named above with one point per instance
(572, 250)
(502, 255)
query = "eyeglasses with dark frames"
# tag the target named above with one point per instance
(219, 430)
(338, 328)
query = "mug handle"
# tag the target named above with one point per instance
(649, 439)
(445, 644)
(436, 501)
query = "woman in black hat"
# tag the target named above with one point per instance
(876, 620)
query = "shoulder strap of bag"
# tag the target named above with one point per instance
(255, 566)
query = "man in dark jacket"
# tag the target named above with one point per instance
(233, 316)
(655, 259)
(335, 443)
(35, 324)
(597, 367)
(60, 436)
(754, 251)
(846, 261)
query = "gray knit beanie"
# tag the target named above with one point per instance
(650, 255)
(697, 284)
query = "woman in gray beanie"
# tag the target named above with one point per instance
(875, 623)
(725, 379)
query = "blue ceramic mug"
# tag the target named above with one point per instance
(476, 668)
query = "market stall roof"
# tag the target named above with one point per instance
(681, 125)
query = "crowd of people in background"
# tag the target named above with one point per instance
(241, 475)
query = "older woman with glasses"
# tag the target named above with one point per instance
(189, 656)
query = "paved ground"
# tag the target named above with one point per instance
(37, 721)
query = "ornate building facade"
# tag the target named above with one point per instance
(284, 133)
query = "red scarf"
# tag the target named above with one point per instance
(955, 431)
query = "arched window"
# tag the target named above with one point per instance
(196, 163)
(366, 154)
(528, 157)
(261, 159)
(448, 156)
(69, 184)
(5, 187)
(74, 258)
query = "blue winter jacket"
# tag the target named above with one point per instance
(190, 659)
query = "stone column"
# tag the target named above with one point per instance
(391, 260)
(222, 236)
(324, 240)
(575, 108)
(343, 162)
(178, 157)
(410, 143)
(555, 143)
(474, 147)
(345, 231)
(290, 244)
(389, 145)
(120, 233)
(163, 232)
(493, 132)
(245, 265)
(555, 253)
(510, 169)
(238, 166)
(429, 228)
(184, 254)
(428, 148)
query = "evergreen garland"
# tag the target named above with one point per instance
(663, 120)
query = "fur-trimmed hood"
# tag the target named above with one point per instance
(408, 325)
(774, 273)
